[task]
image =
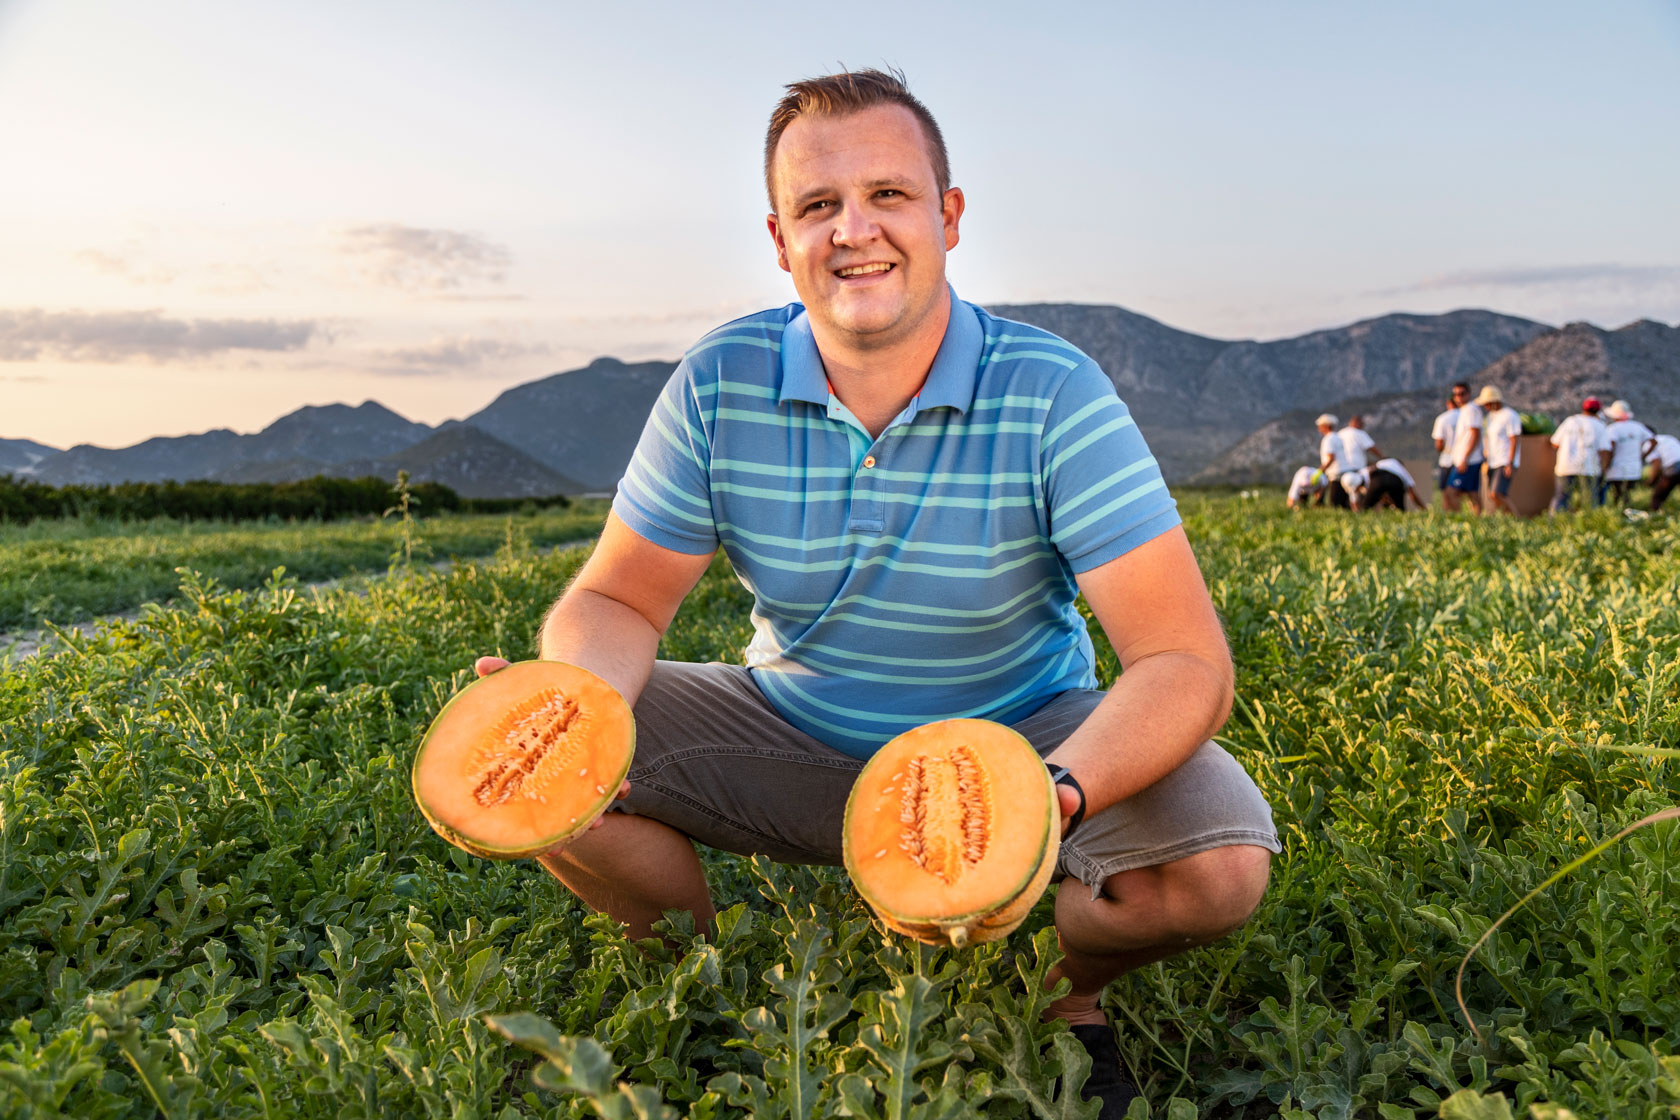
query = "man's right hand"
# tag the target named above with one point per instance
(483, 667)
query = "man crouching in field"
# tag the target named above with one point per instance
(915, 493)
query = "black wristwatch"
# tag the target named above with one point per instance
(1061, 776)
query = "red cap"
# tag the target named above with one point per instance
(1590, 405)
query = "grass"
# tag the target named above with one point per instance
(66, 571)
(216, 896)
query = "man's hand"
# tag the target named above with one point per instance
(1067, 798)
(1507, 469)
(484, 666)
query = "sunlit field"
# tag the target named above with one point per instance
(218, 899)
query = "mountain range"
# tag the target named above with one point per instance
(1213, 410)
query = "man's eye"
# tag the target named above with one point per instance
(817, 207)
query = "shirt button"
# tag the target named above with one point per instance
(869, 461)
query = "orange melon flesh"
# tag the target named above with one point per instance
(952, 831)
(524, 759)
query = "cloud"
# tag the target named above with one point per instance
(1549, 276)
(31, 334)
(123, 267)
(424, 260)
(452, 355)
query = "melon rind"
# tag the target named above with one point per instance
(536, 674)
(1011, 904)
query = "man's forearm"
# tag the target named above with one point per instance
(598, 633)
(1160, 710)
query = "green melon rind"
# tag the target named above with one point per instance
(466, 843)
(983, 925)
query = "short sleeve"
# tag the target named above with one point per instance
(1439, 431)
(665, 495)
(1103, 490)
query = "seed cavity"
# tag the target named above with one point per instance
(946, 811)
(532, 736)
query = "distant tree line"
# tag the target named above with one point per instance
(313, 499)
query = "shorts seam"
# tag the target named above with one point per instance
(1100, 870)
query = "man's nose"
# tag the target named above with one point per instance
(855, 225)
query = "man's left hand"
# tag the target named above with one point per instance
(1067, 798)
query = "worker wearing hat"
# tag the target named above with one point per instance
(1583, 452)
(1501, 427)
(1627, 439)
(1332, 456)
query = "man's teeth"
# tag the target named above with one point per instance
(864, 269)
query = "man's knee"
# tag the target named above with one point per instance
(1207, 895)
(1233, 883)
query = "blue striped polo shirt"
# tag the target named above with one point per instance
(923, 575)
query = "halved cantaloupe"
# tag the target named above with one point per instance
(524, 759)
(952, 831)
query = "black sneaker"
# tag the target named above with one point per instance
(1107, 1080)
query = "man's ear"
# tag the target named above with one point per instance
(951, 207)
(775, 228)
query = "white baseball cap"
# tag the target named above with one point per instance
(1326, 418)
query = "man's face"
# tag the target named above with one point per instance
(860, 223)
(1459, 396)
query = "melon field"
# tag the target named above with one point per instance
(218, 899)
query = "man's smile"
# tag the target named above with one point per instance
(863, 269)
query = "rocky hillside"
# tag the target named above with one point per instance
(1639, 363)
(20, 456)
(583, 424)
(323, 434)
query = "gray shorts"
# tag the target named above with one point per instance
(716, 761)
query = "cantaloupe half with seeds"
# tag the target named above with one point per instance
(524, 759)
(952, 831)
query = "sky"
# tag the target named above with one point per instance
(214, 213)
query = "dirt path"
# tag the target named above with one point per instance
(21, 645)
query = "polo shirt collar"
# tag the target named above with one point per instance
(950, 381)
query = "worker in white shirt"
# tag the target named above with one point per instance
(1663, 453)
(1628, 438)
(1442, 434)
(1583, 452)
(1307, 488)
(1387, 482)
(1465, 481)
(1332, 456)
(1357, 445)
(1501, 427)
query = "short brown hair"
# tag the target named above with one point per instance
(851, 91)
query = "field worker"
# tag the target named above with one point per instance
(1332, 456)
(1501, 456)
(1464, 482)
(1583, 451)
(1307, 487)
(915, 493)
(1628, 438)
(1358, 447)
(1387, 483)
(1442, 434)
(1663, 453)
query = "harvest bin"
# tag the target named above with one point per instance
(1531, 487)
